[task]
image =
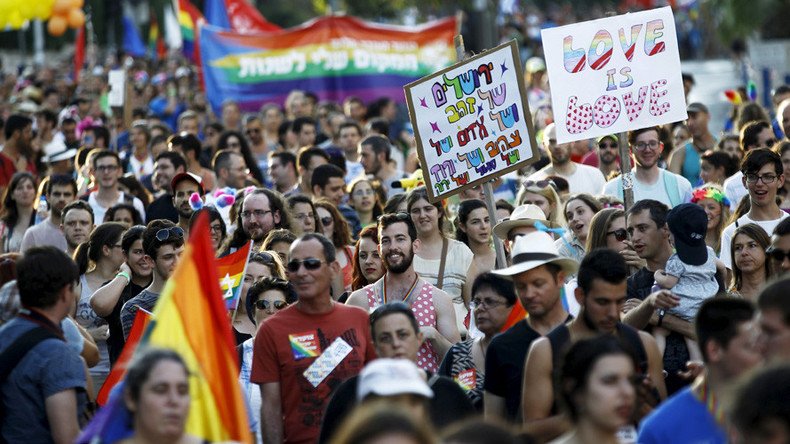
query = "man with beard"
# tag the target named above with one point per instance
(262, 211)
(15, 155)
(581, 178)
(601, 292)
(184, 185)
(77, 224)
(651, 182)
(432, 306)
(61, 191)
(168, 165)
(606, 158)
(374, 154)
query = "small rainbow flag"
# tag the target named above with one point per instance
(189, 18)
(230, 270)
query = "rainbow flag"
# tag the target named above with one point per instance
(189, 18)
(118, 371)
(334, 57)
(191, 319)
(230, 270)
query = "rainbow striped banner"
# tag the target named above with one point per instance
(335, 57)
(189, 18)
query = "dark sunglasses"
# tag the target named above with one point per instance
(326, 221)
(165, 233)
(539, 184)
(264, 257)
(603, 145)
(262, 304)
(777, 254)
(310, 263)
(620, 234)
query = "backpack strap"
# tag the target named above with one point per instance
(671, 187)
(14, 354)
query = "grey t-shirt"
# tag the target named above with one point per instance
(695, 284)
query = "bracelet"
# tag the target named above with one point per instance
(661, 314)
(124, 274)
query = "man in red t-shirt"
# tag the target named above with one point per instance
(18, 147)
(306, 350)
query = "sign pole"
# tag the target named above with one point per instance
(488, 190)
(625, 172)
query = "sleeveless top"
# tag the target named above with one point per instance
(421, 302)
(691, 164)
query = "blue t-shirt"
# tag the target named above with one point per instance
(51, 367)
(682, 419)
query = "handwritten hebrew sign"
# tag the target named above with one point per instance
(471, 121)
(614, 74)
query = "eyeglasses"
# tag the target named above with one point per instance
(310, 263)
(215, 228)
(486, 303)
(165, 233)
(106, 168)
(327, 221)
(257, 213)
(604, 145)
(620, 234)
(263, 304)
(766, 178)
(360, 193)
(539, 183)
(303, 216)
(653, 145)
(777, 254)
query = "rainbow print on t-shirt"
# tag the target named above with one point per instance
(304, 345)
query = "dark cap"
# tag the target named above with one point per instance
(697, 107)
(689, 224)
(187, 176)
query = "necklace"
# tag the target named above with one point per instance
(702, 391)
(408, 293)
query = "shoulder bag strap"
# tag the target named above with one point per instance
(442, 263)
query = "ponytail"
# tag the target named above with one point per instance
(81, 257)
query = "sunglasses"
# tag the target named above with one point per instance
(539, 184)
(777, 254)
(620, 234)
(165, 233)
(262, 304)
(603, 145)
(310, 263)
(326, 221)
(265, 258)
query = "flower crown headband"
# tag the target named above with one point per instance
(709, 193)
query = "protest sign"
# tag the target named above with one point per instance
(335, 57)
(471, 121)
(614, 74)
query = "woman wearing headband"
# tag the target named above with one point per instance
(717, 208)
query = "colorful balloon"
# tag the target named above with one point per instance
(56, 25)
(76, 18)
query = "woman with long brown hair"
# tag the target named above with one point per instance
(368, 266)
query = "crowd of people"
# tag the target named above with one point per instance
(660, 322)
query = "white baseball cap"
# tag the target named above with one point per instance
(389, 377)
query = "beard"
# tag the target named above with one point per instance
(408, 257)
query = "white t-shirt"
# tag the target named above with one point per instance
(734, 189)
(585, 179)
(99, 211)
(726, 235)
(656, 191)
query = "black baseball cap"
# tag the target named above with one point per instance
(689, 224)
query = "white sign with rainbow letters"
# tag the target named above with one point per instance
(614, 74)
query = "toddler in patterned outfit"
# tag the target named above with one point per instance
(690, 273)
